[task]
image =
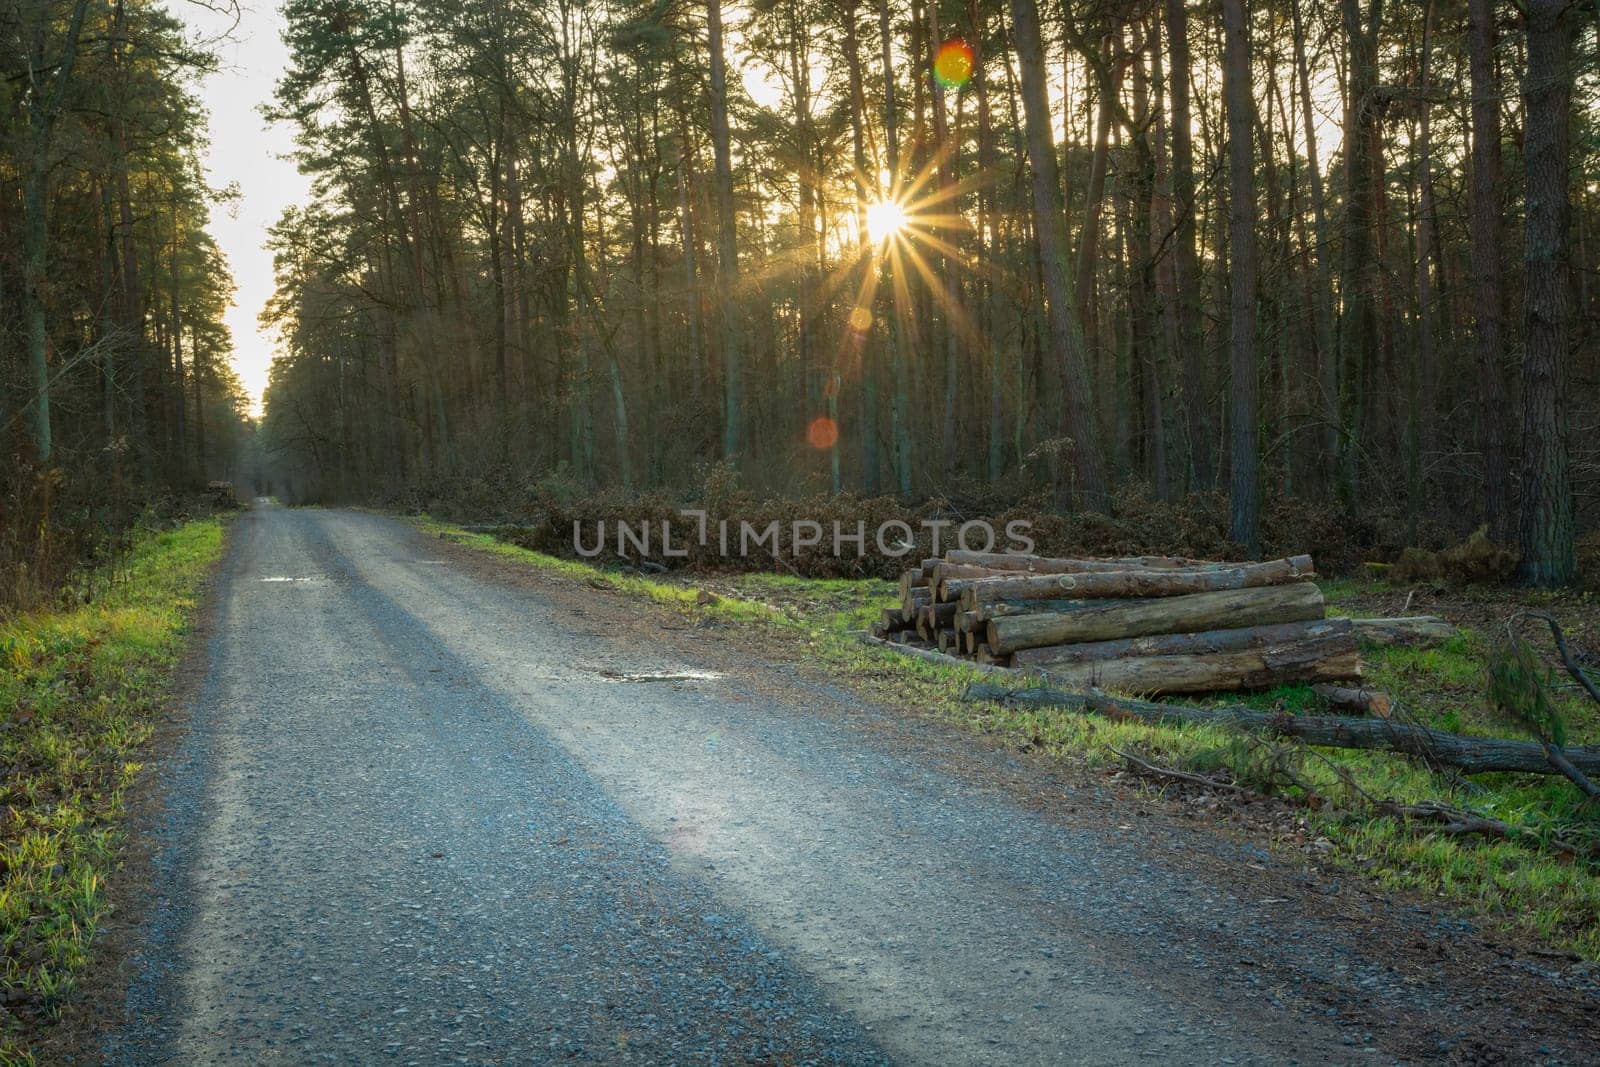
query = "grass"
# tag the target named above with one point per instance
(80, 687)
(1509, 884)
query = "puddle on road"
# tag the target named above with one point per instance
(657, 676)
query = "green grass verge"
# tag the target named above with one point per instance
(1510, 884)
(80, 688)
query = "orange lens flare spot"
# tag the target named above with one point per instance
(823, 433)
(953, 63)
(860, 320)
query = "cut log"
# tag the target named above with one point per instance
(892, 619)
(1191, 644)
(1228, 609)
(968, 620)
(1416, 631)
(1329, 658)
(1473, 755)
(1050, 565)
(931, 618)
(994, 609)
(945, 572)
(915, 578)
(1132, 583)
(1359, 701)
(985, 656)
(920, 597)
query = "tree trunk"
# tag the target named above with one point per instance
(1488, 310)
(1322, 305)
(1244, 489)
(727, 242)
(1548, 556)
(1065, 342)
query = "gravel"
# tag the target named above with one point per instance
(426, 814)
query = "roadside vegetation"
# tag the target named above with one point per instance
(80, 686)
(1326, 804)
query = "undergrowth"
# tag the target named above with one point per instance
(1515, 884)
(79, 688)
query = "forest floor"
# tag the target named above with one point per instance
(1514, 885)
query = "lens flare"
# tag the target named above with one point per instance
(884, 219)
(953, 63)
(823, 433)
(860, 320)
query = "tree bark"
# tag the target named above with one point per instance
(1185, 265)
(1331, 658)
(1244, 487)
(727, 242)
(1224, 609)
(1206, 642)
(1488, 309)
(1065, 342)
(1128, 583)
(1548, 556)
(1416, 631)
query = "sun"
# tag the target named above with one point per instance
(884, 220)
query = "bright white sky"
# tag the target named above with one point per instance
(248, 150)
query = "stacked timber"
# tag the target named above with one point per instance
(1145, 624)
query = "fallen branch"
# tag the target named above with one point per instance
(1456, 822)
(940, 658)
(1473, 755)
(1553, 752)
(1176, 775)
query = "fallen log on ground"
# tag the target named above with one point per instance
(1365, 701)
(1472, 755)
(1416, 631)
(1295, 602)
(1331, 658)
(1188, 644)
(1129, 583)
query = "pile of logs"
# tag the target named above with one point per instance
(1147, 624)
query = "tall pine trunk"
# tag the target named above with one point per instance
(1548, 557)
(1244, 490)
(1489, 303)
(1065, 343)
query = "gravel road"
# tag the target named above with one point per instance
(430, 812)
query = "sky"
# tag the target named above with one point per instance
(248, 150)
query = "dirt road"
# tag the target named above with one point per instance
(432, 811)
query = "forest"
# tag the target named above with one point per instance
(116, 390)
(1276, 248)
(1343, 254)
